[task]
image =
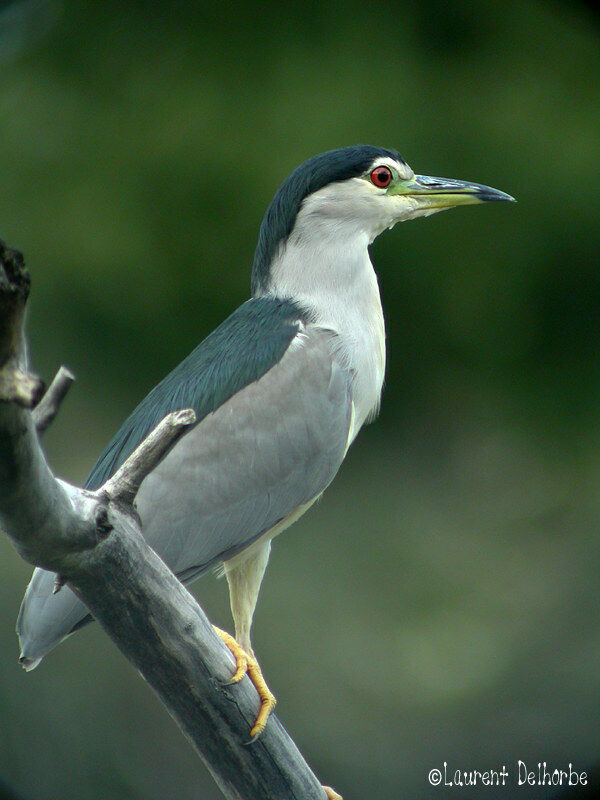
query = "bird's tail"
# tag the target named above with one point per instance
(45, 618)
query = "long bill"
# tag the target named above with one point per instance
(437, 193)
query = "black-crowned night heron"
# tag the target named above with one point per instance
(280, 389)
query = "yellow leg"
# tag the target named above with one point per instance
(247, 664)
(332, 794)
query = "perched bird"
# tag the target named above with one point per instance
(280, 389)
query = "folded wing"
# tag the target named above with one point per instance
(265, 449)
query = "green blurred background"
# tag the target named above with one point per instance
(441, 602)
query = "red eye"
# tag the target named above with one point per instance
(381, 177)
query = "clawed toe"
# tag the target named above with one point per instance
(248, 665)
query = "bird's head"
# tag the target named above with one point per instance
(353, 192)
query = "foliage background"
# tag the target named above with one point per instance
(441, 602)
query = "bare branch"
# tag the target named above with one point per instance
(49, 405)
(126, 481)
(14, 291)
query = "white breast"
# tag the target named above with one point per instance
(325, 266)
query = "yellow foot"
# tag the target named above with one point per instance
(332, 794)
(247, 664)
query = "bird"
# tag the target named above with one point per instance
(280, 389)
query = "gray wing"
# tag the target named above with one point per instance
(272, 447)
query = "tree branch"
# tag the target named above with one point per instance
(49, 405)
(94, 542)
(126, 481)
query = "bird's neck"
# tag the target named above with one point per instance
(331, 276)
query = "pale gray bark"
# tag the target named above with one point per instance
(49, 406)
(93, 541)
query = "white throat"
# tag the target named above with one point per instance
(325, 267)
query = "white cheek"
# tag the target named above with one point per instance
(394, 208)
(405, 208)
